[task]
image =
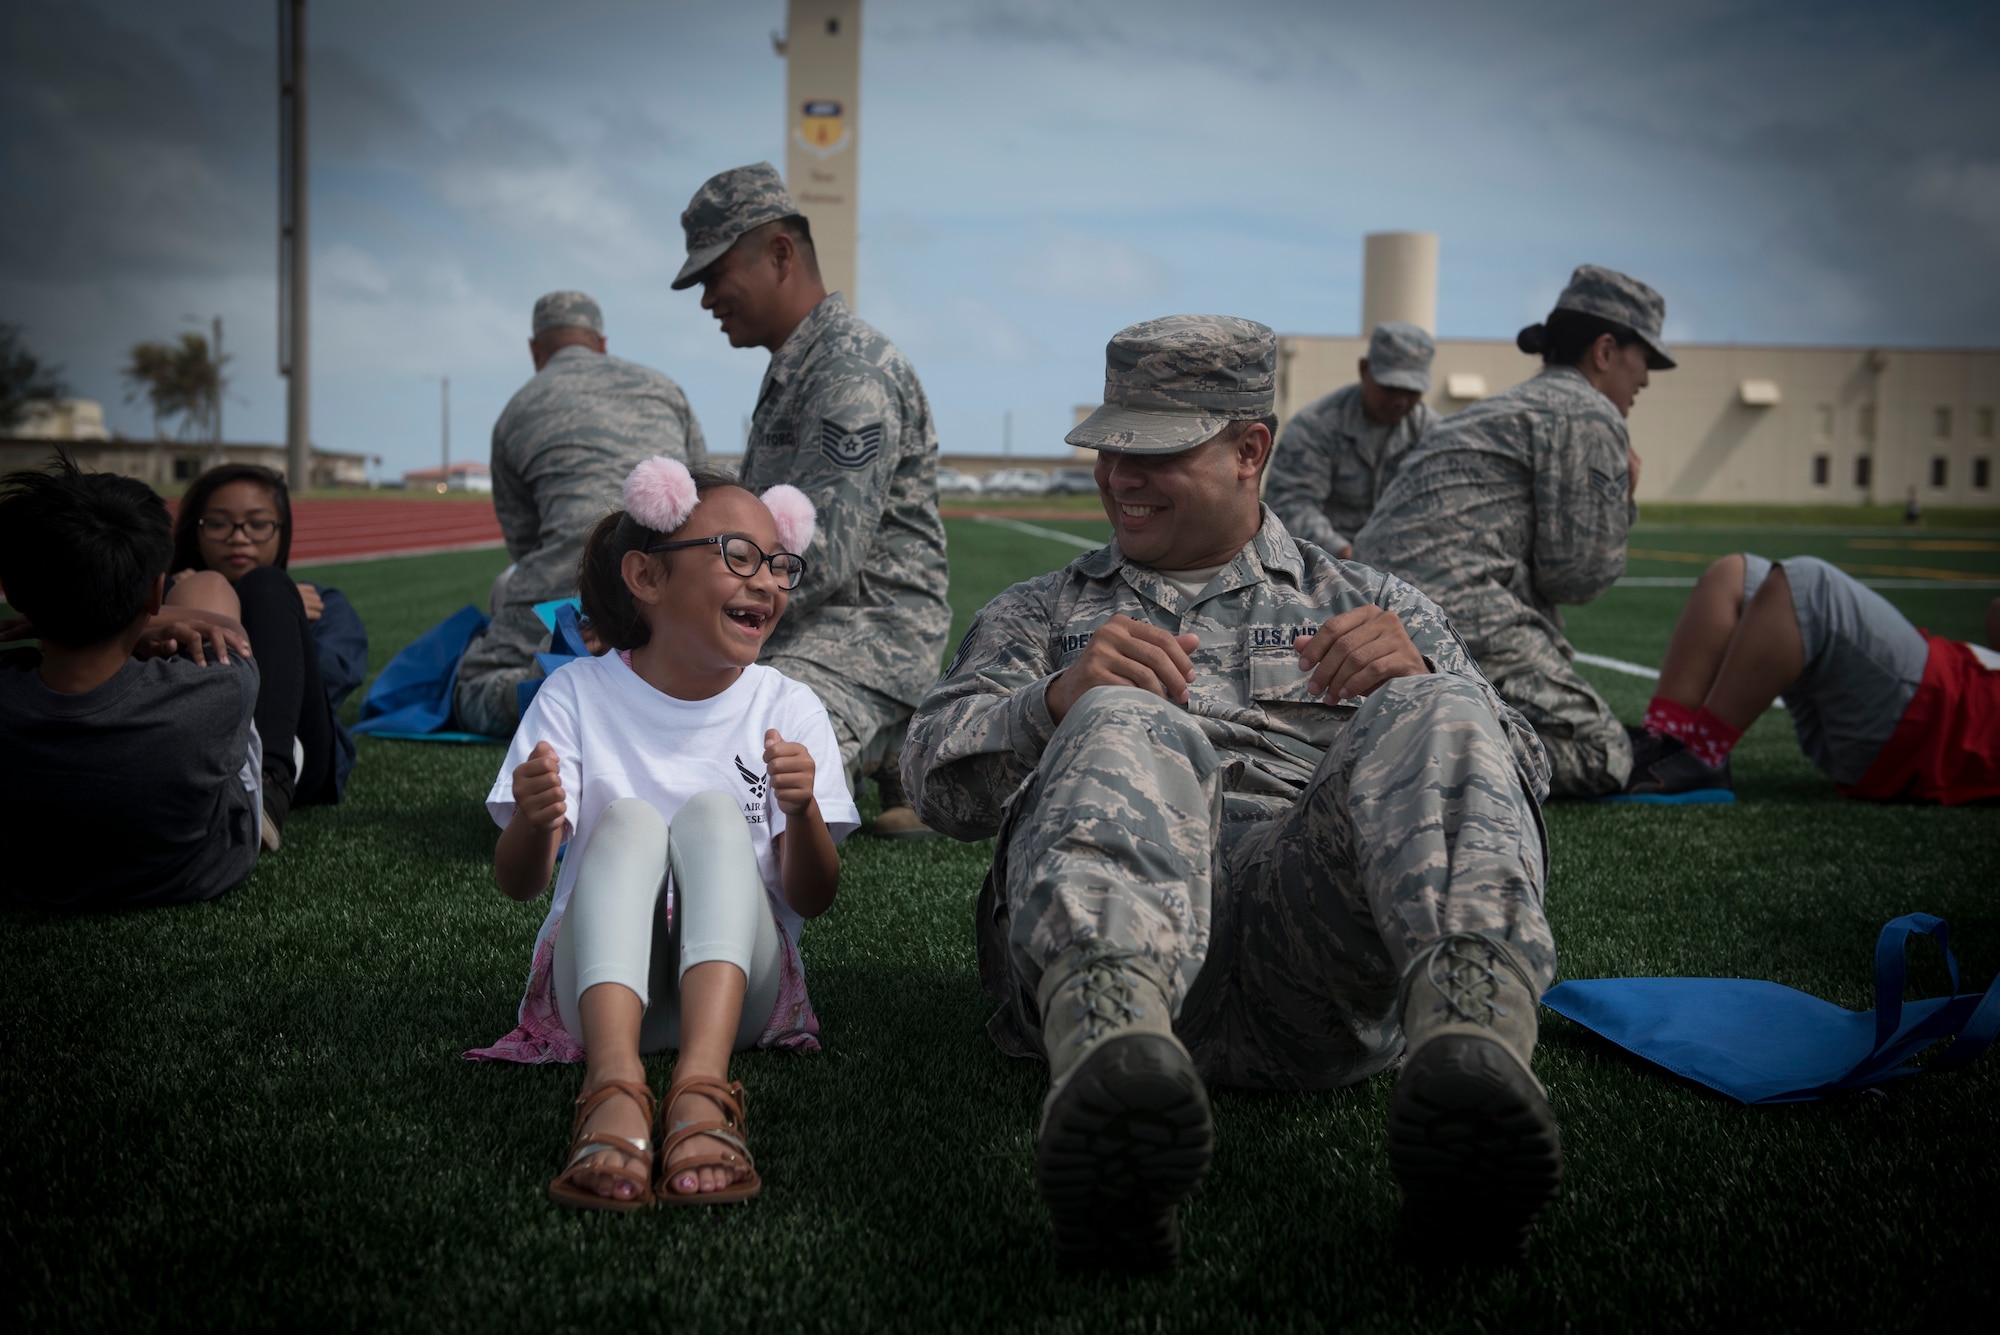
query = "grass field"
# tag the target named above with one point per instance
(251, 1113)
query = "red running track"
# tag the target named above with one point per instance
(349, 530)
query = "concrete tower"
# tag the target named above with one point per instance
(822, 50)
(1399, 279)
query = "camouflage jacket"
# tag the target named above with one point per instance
(1510, 507)
(1332, 464)
(980, 732)
(842, 418)
(561, 450)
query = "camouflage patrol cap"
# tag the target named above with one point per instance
(567, 310)
(1621, 299)
(1171, 383)
(1399, 356)
(728, 205)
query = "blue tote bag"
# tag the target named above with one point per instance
(1760, 1042)
(411, 700)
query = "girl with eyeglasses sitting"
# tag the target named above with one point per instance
(702, 797)
(310, 645)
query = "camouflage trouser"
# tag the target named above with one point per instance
(486, 696)
(868, 724)
(1284, 936)
(1589, 753)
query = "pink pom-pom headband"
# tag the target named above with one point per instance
(660, 493)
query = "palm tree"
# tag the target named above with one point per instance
(181, 380)
(24, 378)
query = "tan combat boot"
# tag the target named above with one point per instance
(1471, 1138)
(899, 819)
(1126, 1134)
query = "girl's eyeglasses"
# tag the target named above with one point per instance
(215, 526)
(744, 557)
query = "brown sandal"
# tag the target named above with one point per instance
(583, 1148)
(730, 1131)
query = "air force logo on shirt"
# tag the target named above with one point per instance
(850, 449)
(753, 810)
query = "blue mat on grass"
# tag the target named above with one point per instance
(1762, 1043)
(411, 700)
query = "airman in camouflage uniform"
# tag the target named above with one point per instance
(1523, 501)
(561, 451)
(1339, 452)
(1260, 821)
(842, 417)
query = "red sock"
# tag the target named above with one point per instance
(1712, 739)
(1669, 718)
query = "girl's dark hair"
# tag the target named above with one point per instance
(187, 544)
(600, 581)
(79, 551)
(1564, 338)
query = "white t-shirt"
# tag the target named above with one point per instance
(617, 737)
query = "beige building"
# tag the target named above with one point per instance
(169, 465)
(1733, 422)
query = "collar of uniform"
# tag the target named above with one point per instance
(1271, 550)
(792, 353)
(570, 352)
(1353, 417)
(1574, 376)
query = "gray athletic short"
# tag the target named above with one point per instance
(1864, 662)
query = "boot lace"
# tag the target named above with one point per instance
(1104, 997)
(1462, 969)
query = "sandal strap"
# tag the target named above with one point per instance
(683, 1132)
(586, 1102)
(727, 1096)
(597, 1143)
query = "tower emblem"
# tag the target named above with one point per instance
(823, 127)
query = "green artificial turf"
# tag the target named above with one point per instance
(251, 1113)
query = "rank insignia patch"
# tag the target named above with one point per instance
(850, 449)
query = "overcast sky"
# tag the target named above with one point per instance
(1033, 177)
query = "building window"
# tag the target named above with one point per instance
(1941, 423)
(1982, 472)
(1863, 470)
(1823, 423)
(1938, 470)
(1982, 423)
(1822, 469)
(183, 469)
(1864, 424)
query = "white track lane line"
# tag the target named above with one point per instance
(1037, 531)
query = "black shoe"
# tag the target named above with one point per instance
(1475, 1151)
(277, 806)
(1670, 770)
(1124, 1141)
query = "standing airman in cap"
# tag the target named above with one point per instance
(561, 450)
(841, 417)
(1259, 821)
(1523, 501)
(1338, 453)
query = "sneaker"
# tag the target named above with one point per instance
(277, 806)
(1126, 1134)
(1665, 771)
(1472, 1141)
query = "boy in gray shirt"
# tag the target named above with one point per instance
(127, 734)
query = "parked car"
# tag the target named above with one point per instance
(952, 482)
(1016, 482)
(1073, 482)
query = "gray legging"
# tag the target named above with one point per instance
(615, 927)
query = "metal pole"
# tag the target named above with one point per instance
(218, 392)
(1007, 434)
(294, 359)
(444, 474)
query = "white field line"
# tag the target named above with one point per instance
(1619, 665)
(401, 551)
(1037, 531)
(1687, 582)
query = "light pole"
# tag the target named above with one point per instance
(294, 360)
(444, 431)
